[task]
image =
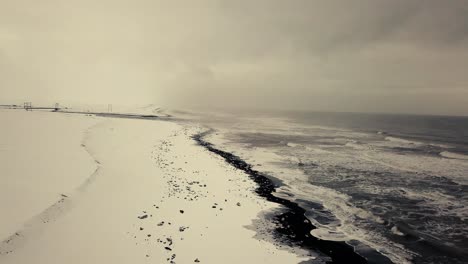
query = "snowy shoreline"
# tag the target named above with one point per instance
(292, 224)
(156, 196)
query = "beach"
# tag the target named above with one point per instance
(88, 189)
(150, 185)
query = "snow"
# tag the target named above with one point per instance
(41, 157)
(128, 178)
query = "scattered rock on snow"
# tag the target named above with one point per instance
(143, 216)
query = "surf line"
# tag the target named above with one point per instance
(293, 224)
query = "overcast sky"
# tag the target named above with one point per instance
(365, 55)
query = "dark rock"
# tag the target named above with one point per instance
(143, 216)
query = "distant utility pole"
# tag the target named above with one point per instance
(109, 108)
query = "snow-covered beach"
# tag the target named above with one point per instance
(88, 189)
(152, 185)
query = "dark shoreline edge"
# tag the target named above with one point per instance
(293, 225)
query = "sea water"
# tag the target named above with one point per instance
(394, 185)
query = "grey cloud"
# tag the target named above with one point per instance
(318, 55)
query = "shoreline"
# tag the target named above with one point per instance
(291, 228)
(294, 227)
(157, 197)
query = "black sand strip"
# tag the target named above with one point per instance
(293, 223)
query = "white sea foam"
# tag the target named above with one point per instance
(452, 155)
(396, 231)
(406, 142)
(347, 227)
(403, 141)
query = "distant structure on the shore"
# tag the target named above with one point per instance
(28, 107)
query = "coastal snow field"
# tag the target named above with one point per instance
(41, 159)
(84, 189)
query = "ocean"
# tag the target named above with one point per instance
(395, 187)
